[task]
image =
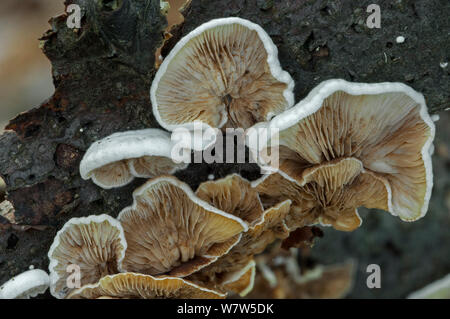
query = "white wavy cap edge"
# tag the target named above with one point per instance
(272, 60)
(76, 221)
(125, 145)
(313, 102)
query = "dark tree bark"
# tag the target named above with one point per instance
(102, 74)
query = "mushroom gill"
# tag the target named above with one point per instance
(328, 194)
(385, 125)
(116, 160)
(95, 244)
(133, 285)
(152, 166)
(171, 231)
(224, 73)
(114, 174)
(234, 195)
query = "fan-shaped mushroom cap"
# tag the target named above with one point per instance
(328, 194)
(25, 285)
(269, 227)
(234, 195)
(133, 285)
(273, 222)
(385, 125)
(170, 230)
(117, 159)
(241, 281)
(225, 72)
(96, 244)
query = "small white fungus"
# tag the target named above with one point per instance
(25, 285)
(400, 39)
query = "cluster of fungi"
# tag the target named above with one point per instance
(344, 146)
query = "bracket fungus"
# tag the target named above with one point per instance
(25, 285)
(385, 126)
(171, 231)
(328, 194)
(117, 159)
(234, 195)
(344, 146)
(133, 285)
(95, 244)
(224, 73)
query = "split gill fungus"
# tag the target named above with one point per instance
(346, 145)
